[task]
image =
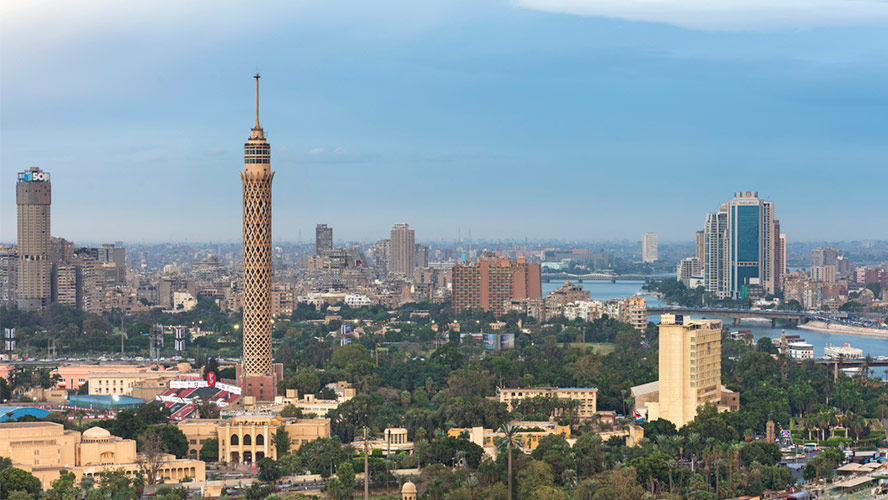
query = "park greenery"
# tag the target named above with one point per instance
(417, 372)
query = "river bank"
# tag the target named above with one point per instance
(820, 326)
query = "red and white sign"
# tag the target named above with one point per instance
(211, 379)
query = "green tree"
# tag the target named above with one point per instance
(760, 451)
(63, 488)
(355, 413)
(15, 479)
(318, 455)
(153, 414)
(281, 439)
(653, 465)
(345, 481)
(507, 442)
(174, 440)
(291, 411)
(268, 470)
(532, 477)
(5, 391)
(209, 451)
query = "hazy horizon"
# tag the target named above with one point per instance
(567, 121)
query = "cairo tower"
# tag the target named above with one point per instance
(256, 374)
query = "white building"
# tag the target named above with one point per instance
(688, 269)
(649, 247)
(845, 351)
(800, 350)
(356, 300)
(826, 274)
(183, 301)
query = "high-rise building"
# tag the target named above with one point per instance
(65, 284)
(403, 254)
(256, 374)
(741, 246)
(422, 256)
(687, 269)
(649, 247)
(492, 281)
(115, 256)
(826, 274)
(751, 245)
(700, 240)
(61, 251)
(323, 238)
(33, 193)
(690, 367)
(825, 256)
(8, 276)
(779, 257)
(90, 290)
(715, 273)
(382, 255)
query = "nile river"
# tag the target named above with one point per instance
(605, 290)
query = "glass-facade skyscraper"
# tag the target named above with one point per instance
(740, 247)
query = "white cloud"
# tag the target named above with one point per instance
(727, 15)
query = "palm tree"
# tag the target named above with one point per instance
(694, 442)
(587, 488)
(717, 461)
(733, 460)
(569, 478)
(672, 464)
(471, 483)
(860, 426)
(458, 458)
(883, 400)
(508, 441)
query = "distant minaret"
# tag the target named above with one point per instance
(256, 374)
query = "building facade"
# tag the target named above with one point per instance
(491, 282)
(649, 247)
(8, 276)
(744, 255)
(45, 449)
(689, 367)
(323, 238)
(715, 272)
(403, 252)
(250, 438)
(33, 197)
(586, 396)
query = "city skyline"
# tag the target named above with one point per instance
(616, 125)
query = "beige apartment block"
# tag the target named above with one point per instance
(309, 404)
(45, 449)
(123, 383)
(487, 438)
(690, 372)
(586, 396)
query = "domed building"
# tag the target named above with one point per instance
(46, 448)
(408, 491)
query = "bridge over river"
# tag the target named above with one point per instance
(613, 278)
(793, 317)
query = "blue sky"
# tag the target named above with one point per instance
(574, 119)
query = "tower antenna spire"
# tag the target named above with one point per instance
(257, 77)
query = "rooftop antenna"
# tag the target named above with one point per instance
(257, 77)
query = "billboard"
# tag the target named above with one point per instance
(489, 342)
(507, 341)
